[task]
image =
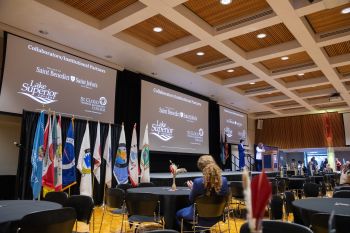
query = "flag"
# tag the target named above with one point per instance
(68, 159)
(37, 157)
(120, 169)
(222, 150)
(134, 163)
(144, 164)
(97, 154)
(84, 164)
(58, 157)
(48, 166)
(107, 156)
(226, 145)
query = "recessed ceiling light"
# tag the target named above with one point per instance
(252, 83)
(301, 74)
(284, 58)
(200, 53)
(345, 10)
(261, 35)
(157, 29)
(230, 70)
(108, 56)
(225, 2)
(44, 32)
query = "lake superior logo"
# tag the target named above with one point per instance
(38, 92)
(228, 132)
(161, 131)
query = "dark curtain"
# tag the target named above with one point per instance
(23, 187)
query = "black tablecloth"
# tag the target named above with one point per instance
(13, 211)
(309, 206)
(170, 201)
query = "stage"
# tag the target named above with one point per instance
(166, 179)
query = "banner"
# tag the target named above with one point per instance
(120, 170)
(144, 164)
(134, 163)
(84, 164)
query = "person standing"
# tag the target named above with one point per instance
(241, 154)
(258, 158)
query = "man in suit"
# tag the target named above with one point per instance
(241, 154)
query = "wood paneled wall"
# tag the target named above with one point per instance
(308, 131)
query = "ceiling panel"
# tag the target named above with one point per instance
(329, 19)
(192, 58)
(331, 105)
(264, 113)
(316, 88)
(275, 34)
(338, 49)
(238, 71)
(99, 9)
(144, 31)
(294, 59)
(257, 85)
(214, 13)
(274, 94)
(309, 75)
(344, 70)
(284, 104)
(294, 110)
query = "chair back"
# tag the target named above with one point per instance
(115, 197)
(49, 221)
(311, 190)
(162, 231)
(83, 205)
(147, 184)
(142, 204)
(320, 221)
(124, 186)
(276, 207)
(236, 188)
(342, 194)
(275, 226)
(57, 197)
(289, 198)
(210, 206)
(343, 187)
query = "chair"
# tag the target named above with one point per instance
(115, 204)
(320, 223)
(275, 226)
(48, 221)
(148, 184)
(343, 187)
(57, 197)
(208, 207)
(236, 188)
(124, 186)
(276, 207)
(143, 208)
(83, 205)
(342, 194)
(311, 190)
(162, 231)
(288, 199)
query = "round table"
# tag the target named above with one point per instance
(14, 210)
(170, 201)
(310, 206)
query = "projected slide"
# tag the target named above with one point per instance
(176, 122)
(36, 75)
(233, 124)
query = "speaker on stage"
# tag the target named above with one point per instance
(259, 124)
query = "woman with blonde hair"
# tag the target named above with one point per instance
(212, 183)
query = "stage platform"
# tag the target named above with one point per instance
(166, 179)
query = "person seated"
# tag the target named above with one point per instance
(337, 164)
(212, 183)
(345, 174)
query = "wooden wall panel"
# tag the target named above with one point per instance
(306, 131)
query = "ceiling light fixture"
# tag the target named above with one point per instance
(284, 58)
(335, 97)
(108, 56)
(157, 29)
(225, 2)
(200, 53)
(345, 10)
(252, 83)
(230, 70)
(261, 35)
(301, 74)
(44, 32)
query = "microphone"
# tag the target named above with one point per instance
(19, 145)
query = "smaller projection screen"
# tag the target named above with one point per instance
(233, 124)
(176, 122)
(35, 75)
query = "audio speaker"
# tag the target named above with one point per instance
(259, 124)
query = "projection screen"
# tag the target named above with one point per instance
(233, 124)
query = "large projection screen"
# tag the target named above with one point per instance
(176, 122)
(233, 124)
(36, 75)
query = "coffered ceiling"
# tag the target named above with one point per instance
(266, 57)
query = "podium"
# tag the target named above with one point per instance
(269, 158)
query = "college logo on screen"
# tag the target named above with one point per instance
(228, 132)
(161, 131)
(38, 92)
